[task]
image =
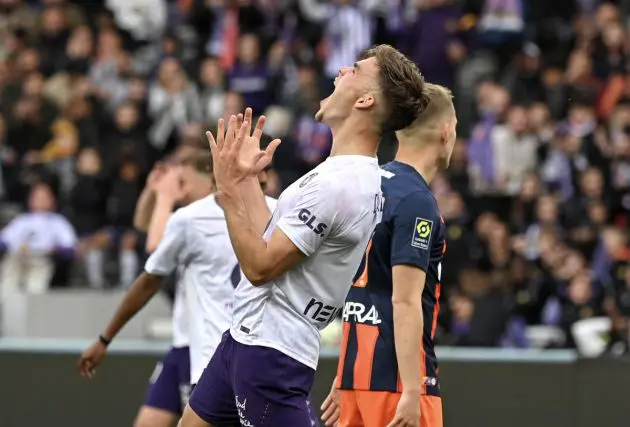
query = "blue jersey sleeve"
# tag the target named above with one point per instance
(416, 222)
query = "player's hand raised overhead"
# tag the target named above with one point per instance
(408, 411)
(236, 151)
(169, 184)
(90, 359)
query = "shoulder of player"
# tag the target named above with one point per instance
(421, 200)
(204, 206)
(271, 202)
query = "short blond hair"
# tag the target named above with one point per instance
(438, 107)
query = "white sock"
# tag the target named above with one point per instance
(95, 264)
(128, 267)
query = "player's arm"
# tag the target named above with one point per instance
(161, 263)
(257, 208)
(162, 211)
(139, 294)
(146, 201)
(410, 257)
(408, 283)
(296, 236)
(144, 210)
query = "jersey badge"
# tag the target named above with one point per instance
(422, 233)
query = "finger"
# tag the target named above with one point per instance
(261, 161)
(331, 420)
(249, 118)
(214, 148)
(271, 148)
(220, 134)
(335, 417)
(84, 368)
(230, 133)
(328, 416)
(327, 402)
(236, 147)
(260, 126)
(239, 120)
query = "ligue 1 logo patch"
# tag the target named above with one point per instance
(422, 233)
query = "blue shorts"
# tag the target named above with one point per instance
(253, 385)
(169, 387)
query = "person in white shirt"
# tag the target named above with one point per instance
(205, 284)
(299, 262)
(31, 242)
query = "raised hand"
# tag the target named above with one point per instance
(169, 184)
(236, 151)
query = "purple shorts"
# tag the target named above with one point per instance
(253, 385)
(169, 387)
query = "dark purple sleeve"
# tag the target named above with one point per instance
(416, 223)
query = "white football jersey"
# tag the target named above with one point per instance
(329, 214)
(196, 238)
(180, 317)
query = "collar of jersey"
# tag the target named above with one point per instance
(411, 170)
(352, 157)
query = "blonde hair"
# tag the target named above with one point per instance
(438, 107)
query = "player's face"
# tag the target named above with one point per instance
(41, 199)
(355, 87)
(191, 181)
(449, 136)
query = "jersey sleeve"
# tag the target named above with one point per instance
(312, 218)
(416, 223)
(171, 249)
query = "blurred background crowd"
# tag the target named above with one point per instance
(99, 100)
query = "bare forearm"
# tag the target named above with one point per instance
(248, 244)
(141, 291)
(144, 210)
(161, 213)
(255, 203)
(408, 331)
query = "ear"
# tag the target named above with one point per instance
(445, 136)
(365, 102)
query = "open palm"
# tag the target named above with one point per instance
(236, 151)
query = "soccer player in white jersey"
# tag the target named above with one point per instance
(299, 267)
(207, 274)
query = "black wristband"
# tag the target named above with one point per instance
(104, 340)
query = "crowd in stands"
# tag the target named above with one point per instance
(99, 99)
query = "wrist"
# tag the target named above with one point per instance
(416, 390)
(104, 340)
(228, 194)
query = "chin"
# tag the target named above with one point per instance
(319, 116)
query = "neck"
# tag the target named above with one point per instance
(200, 194)
(349, 137)
(423, 159)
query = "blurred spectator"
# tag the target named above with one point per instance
(173, 103)
(250, 76)
(31, 242)
(434, 39)
(347, 31)
(88, 204)
(212, 90)
(124, 191)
